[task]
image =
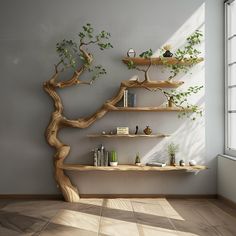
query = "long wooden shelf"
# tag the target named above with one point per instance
(151, 109)
(127, 135)
(160, 61)
(152, 84)
(77, 167)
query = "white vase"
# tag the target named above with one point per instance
(192, 163)
(113, 163)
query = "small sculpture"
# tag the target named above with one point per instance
(147, 130)
(181, 163)
(131, 53)
(136, 129)
(167, 53)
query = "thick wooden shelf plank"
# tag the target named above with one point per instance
(154, 109)
(152, 84)
(77, 167)
(159, 61)
(127, 135)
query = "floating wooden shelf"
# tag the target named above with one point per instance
(151, 109)
(152, 84)
(127, 135)
(77, 167)
(160, 61)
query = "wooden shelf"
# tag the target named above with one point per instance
(152, 84)
(127, 135)
(150, 109)
(160, 61)
(76, 167)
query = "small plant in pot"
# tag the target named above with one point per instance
(172, 149)
(113, 159)
(137, 160)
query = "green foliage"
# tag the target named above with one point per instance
(137, 158)
(189, 52)
(68, 50)
(179, 98)
(71, 54)
(131, 65)
(97, 71)
(172, 148)
(147, 54)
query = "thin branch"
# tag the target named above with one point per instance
(57, 65)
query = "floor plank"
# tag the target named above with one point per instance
(119, 217)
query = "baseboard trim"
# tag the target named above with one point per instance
(227, 201)
(31, 196)
(169, 196)
(60, 197)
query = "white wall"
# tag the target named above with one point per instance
(226, 176)
(29, 32)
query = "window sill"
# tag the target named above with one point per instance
(227, 156)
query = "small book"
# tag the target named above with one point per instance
(131, 99)
(125, 98)
(159, 164)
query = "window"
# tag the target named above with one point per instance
(230, 77)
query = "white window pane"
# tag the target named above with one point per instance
(232, 75)
(232, 18)
(232, 50)
(232, 130)
(232, 99)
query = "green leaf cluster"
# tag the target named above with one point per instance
(147, 54)
(71, 54)
(172, 148)
(67, 50)
(179, 98)
(189, 53)
(97, 71)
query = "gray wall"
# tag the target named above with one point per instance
(28, 34)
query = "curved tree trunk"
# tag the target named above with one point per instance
(58, 121)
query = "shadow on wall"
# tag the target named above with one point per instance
(191, 134)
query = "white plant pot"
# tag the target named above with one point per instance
(113, 163)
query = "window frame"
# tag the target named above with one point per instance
(228, 150)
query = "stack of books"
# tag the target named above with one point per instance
(129, 99)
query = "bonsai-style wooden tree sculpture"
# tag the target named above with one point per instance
(72, 56)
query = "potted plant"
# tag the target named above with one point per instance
(137, 160)
(172, 149)
(113, 159)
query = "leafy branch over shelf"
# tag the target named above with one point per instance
(189, 53)
(147, 55)
(179, 99)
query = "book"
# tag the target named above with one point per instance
(159, 164)
(125, 98)
(131, 99)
